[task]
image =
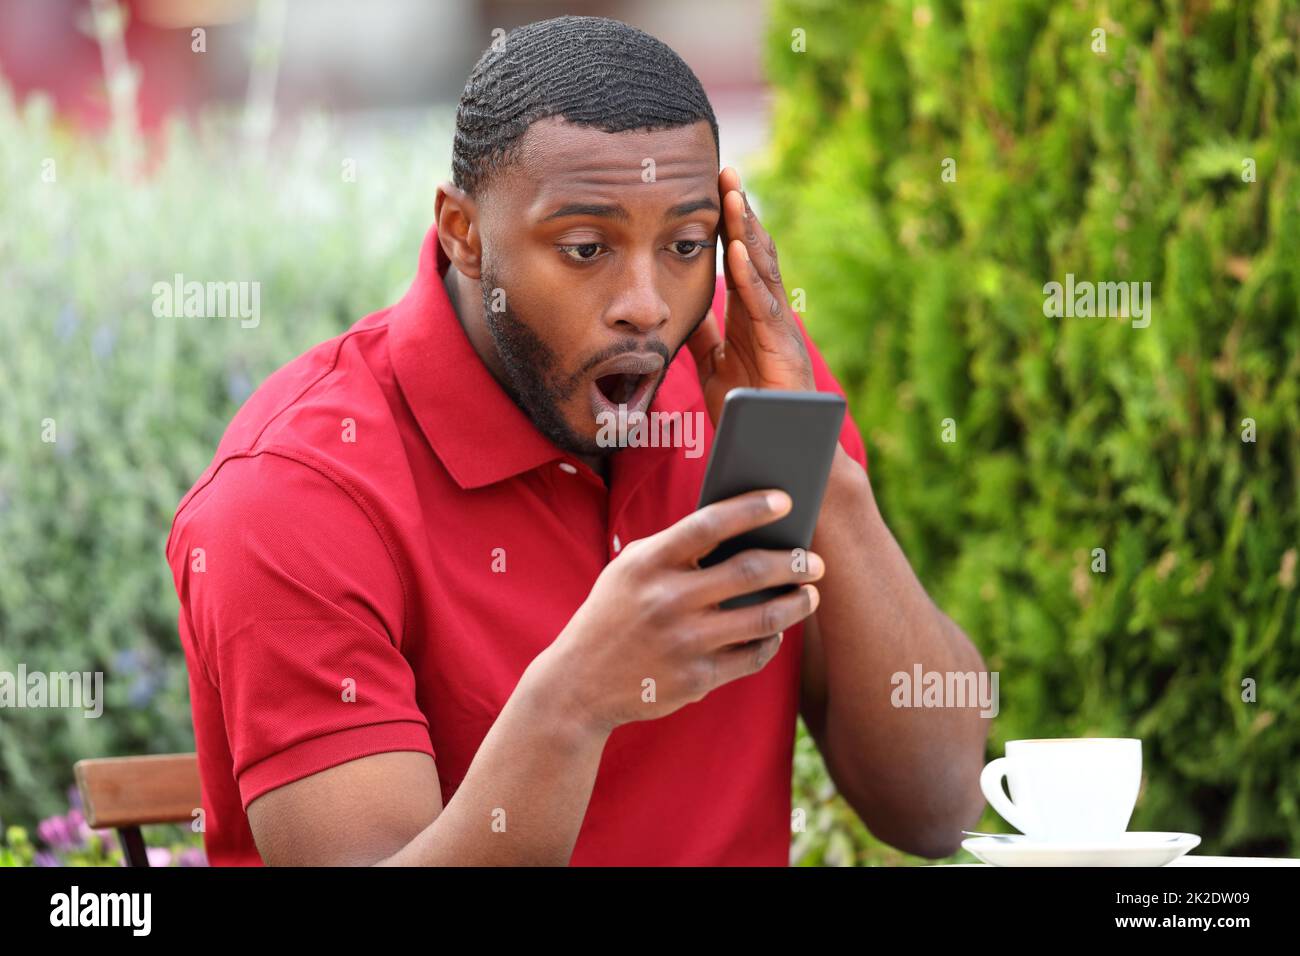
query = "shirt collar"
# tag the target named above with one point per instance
(479, 434)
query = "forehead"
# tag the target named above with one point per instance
(556, 158)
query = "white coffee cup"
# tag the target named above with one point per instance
(1067, 789)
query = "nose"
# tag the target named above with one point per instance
(638, 307)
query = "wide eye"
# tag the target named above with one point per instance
(688, 248)
(581, 252)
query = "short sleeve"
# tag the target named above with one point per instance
(293, 607)
(850, 437)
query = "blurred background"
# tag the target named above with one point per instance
(377, 68)
(926, 168)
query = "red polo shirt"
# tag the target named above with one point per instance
(342, 592)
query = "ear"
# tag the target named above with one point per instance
(456, 215)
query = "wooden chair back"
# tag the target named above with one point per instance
(126, 793)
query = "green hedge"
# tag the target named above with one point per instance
(1074, 433)
(139, 402)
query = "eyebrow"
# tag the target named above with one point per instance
(614, 211)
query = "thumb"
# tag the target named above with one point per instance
(706, 345)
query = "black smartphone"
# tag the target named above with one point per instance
(772, 439)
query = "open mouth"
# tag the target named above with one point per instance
(620, 387)
(624, 383)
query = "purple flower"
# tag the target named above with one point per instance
(101, 342)
(74, 797)
(64, 833)
(67, 321)
(143, 690)
(127, 661)
(65, 441)
(56, 833)
(193, 856)
(84, 833)
(159, 856)
(45, 858)
(143, 665)
(238, 386)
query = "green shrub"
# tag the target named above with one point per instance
(1074, 434)
(138, 402)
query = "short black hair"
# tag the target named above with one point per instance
(593, 71)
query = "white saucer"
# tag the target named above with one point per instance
(1131, 849)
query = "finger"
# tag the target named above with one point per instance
(728, 179)
(736, 625)
(704, 345)
(742, 223)
(736, 662)
(762, 249)
(732, 212)
(700, 532)
(750, 571)
(753, 291)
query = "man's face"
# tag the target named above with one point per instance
(596, 248)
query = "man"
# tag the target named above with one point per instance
(430, 618)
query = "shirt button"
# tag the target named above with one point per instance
(565, 466)
(618, 545)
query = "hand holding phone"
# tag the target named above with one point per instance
(773, 439)
(653, 612)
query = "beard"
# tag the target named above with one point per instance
(527, 360)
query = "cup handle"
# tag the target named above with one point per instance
(991, 783)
